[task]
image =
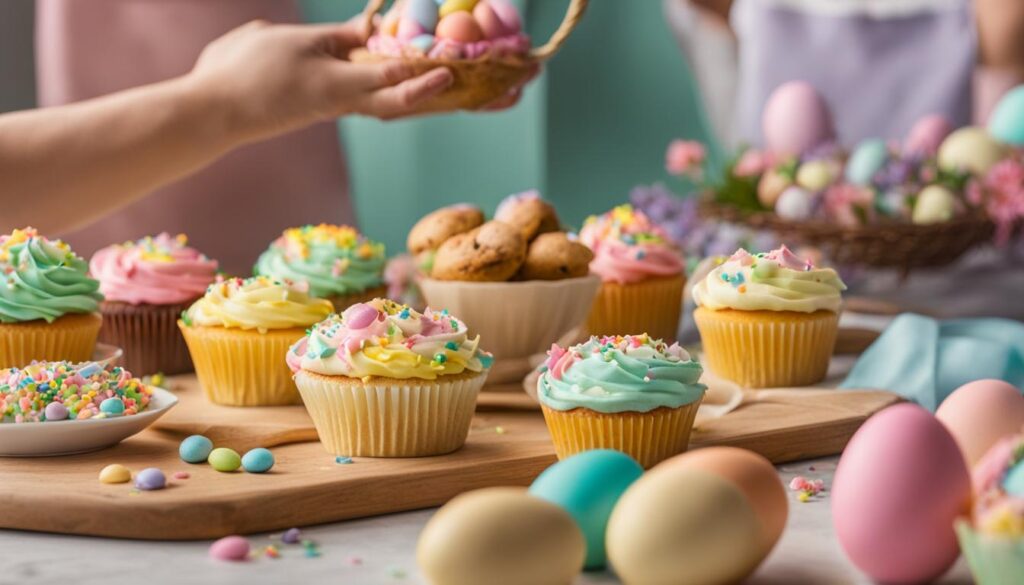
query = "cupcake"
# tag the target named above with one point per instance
(337, 262)
(55, 391)
(642, 274)
(634, 394)
(147, 284)
(769, 319)
(382, 380)
(48, 304)
(993, 538)
(238, 332)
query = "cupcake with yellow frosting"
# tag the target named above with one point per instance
(383, 380)
(768, 320)
(238, 333)
(337, 262)
(48, 303)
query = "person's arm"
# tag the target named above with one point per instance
(61, 168)
(1000, 53)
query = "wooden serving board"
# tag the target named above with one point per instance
(307, 486)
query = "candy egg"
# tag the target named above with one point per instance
(423, 12)
(258, 460)
(459, 26)
(115, 473)
(927, 135)
(796, 119)
(679, 524)
(500, 535)
(587, 486)
(112, 406)
(409, 29)
(55, 411)
(508, 14)
(980, 413)
(771, 186)
(969, 149)
(195, 449)
(452, 6)
(1006, 123)
(150, 478)
(224, 459)
(423, 42)
(900, 484)
(361, 316)
(815, 175)
(867, 159)
(491, 25)
(230, 548)
(794, 204)
(935, 204)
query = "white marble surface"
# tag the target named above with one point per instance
(807, 553)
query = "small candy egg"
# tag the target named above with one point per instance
(423, 42)
(508, 14)
(796, 119)
(230, 548)
(112, 406)
(489, 21)
(980, 413)
(55, 411)
(970, 149)
(500, 535)
(150, 478)
(867, 159)
(423, 12)
(408, 29)
(927, 135)
(459, 26)
(115, 473)
(258, 460)
(587, 486)
(360, 316)
(224, 459)
(815, 175)
(771, 186)
(195, 449)
(794, 204)
(291, 536)
(453, 6)
(935, 204)
(1006, 123)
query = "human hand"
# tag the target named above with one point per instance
(513, 96)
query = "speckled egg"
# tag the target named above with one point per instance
(459, 26)
(795, 204)
(1006, 124)
(771, 186)
(587, 486)
(258, 460)
(867, 159)
(980, 413)
(935, 204)
(796, 119)
(500, 536)
(927, 135)
(816, 175)
(195, 449)
(969, 149)
(900, 484)
(424, 12)
(489, 21)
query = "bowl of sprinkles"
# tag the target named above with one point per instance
(60, 408)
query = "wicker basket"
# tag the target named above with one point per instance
(478, 82)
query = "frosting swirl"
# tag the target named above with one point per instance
(334, 260)
(260, 303)
(42, 279)
(628, 247)
(159, 270)
(772, 281)
(619, 374)
(384, 338)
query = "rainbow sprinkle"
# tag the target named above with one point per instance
(78, 388)
(297, 242)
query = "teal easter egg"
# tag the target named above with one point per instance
(1006, 124)
(112, 407)
(422, 11)
(1013, 483)
(195, 449)
(867, 159)
(258, 460)
(587, 486)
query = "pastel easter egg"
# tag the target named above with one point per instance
(360, 316)
(1006, 124)
(935, 204)
(423, 43)
(409, 29)
(796, 119)
(112, 406)
(795, 204)
(969, 149)
(258, 460)
(980, 413)
(816, 175)
(389, 24)
(230, 548)
(900, 484)
(115, 473)
(927, 135)
(150, 478)
(770, 187)
(587, 486)
(490, 23)
(508, 14)
(867, 159)
(452, 6)
(460, 27)
(195, 449)
(224, 459)
(423, 12)
(500, 535)
(55, 411)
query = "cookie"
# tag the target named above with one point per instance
(530, 214)
(553, 256)
(492, 252)
(434, 228)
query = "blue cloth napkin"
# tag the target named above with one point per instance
(925, 360)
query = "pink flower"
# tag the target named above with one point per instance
(684, 157)
(1001, 193)
(753, 163)
(849, 205)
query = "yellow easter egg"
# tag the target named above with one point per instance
(970, 149)
(815, 175)
(115, 473)
(451, 6)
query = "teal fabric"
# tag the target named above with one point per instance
(925, 360)
(594, 125)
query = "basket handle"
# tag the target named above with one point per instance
(545, 51)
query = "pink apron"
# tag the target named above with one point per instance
(232, 209)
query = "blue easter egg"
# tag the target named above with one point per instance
(423, 12)
(195, 449)
(587, 485)
(112, 407)
(867, 159)
(1006, 124)
(423, 42)
(258, 460)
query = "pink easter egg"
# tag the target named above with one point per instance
(360, 316)
(460, 27)
(796, 119)
(230, 548)
(927, 134)
(980, 413)
(409, 29)
(508, 14)
(489, 21)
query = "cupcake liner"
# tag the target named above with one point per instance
(648, 437)
(385, 417)
(71, 337)
(653, 306)
(237, 367)
(149, 336)
(342, 302)
(994, 560)
(766, 349)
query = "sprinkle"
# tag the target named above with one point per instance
(355, 561)
(452, 345)
(272, 552)
(181, 475)
(342, 460)
(440, 358)
(499, 430)
(804, 497)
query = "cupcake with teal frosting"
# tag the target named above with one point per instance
(337, 262)
(48, 303)
(630, 393)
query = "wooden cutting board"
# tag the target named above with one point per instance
(306, 486)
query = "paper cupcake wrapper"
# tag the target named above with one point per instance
(390, 418)
(342, 302)
(71, 337)
(652, 306)
(648, 437)
(993, 560)
(768, 349)
(149, 336)
(243, 368)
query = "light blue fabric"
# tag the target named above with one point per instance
(925, 360)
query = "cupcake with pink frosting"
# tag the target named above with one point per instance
(147, 284)
(642, 272)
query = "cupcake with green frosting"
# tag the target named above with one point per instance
(337, 262)
(633, 394)
(48, 303)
